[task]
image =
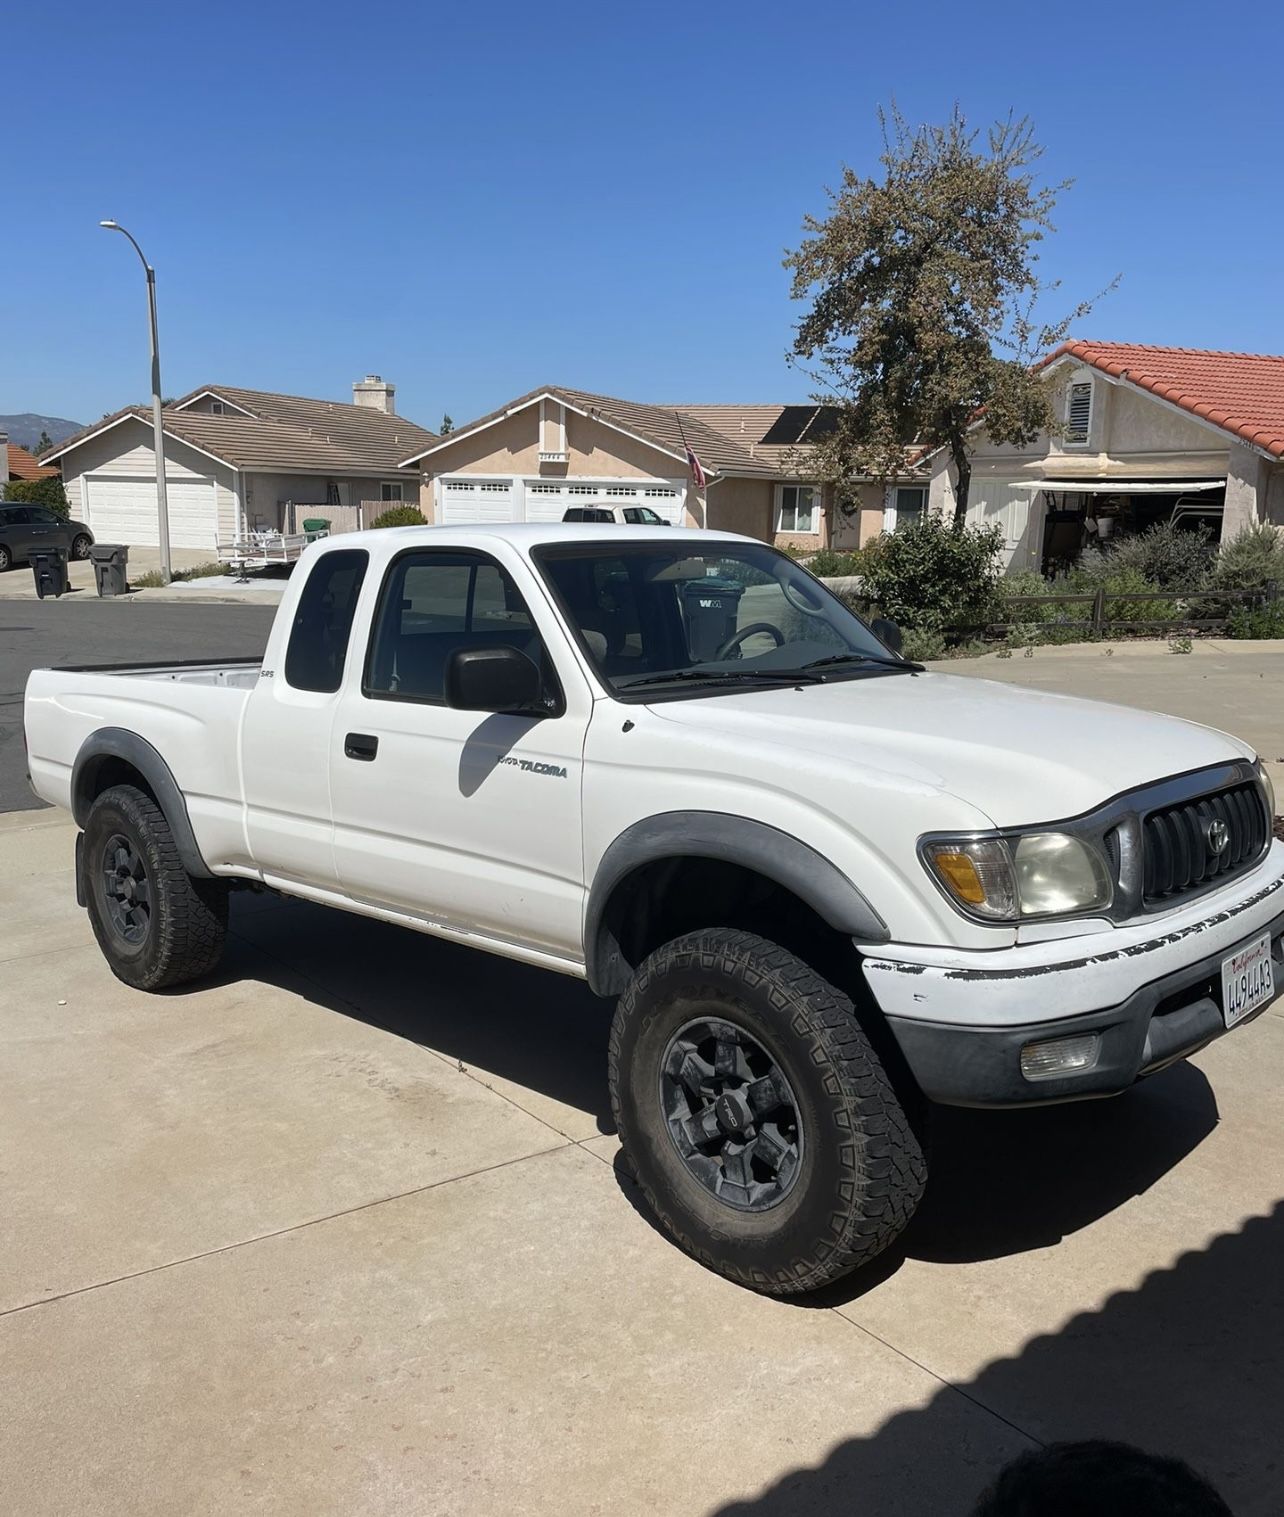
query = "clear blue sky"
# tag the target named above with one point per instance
(473, 199)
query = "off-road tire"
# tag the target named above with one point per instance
(862, 1170)
(188, 917)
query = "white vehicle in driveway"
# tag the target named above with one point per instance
(827, 887)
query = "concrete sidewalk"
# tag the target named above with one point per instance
(344, 1231)
(18, 584)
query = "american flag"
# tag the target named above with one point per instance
(698, 475)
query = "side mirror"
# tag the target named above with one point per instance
(886, 631)
(493, 679)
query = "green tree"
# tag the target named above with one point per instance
(43, 443)
(447, 425)
(923, 289)
(39, 492)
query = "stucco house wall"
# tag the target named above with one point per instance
(743, 505)
(512, 446)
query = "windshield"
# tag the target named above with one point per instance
(681, 614)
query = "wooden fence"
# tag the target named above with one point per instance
(1098, 622)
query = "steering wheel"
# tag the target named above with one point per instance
(732, 644)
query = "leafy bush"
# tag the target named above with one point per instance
(400, 516)
(921, 646)
(1259, 621)
(1251, 559)
(829, 564)
(39, 492)
(929, 577)
(1041, 624)
(1132, 581)
(1171, 559)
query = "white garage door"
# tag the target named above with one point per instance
(121, 510)
(1009, 504)
(548, 502)
(465, 500)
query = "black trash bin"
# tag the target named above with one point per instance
(711, 608)
(49, 570)
(109, 560)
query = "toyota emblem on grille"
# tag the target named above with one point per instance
(1217, 836)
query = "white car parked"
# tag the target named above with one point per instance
(825, 887)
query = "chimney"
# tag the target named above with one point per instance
(377, 393)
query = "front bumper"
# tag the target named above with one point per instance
(962, 1022)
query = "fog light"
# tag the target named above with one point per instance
(1060, 1056)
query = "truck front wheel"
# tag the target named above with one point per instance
(763, 1130)
(156, 925)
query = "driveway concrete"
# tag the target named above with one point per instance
(345, 1231)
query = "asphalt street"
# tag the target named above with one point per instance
(43, 634)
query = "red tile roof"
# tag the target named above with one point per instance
(22, 465)
(1241, 392)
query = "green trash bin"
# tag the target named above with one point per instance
(316, 526)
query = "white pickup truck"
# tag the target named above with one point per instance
(827, 887)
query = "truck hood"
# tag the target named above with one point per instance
(1020, 756)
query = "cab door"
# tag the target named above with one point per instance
(463, 818)
(289, 718)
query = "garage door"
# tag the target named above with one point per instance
(124, 511)
(1010, 505)
(548, 502)
(488, 500)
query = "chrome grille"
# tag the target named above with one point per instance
(1179, 856)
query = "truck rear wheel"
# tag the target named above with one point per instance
(156, 925)
(764, 1131)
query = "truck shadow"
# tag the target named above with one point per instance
(1012, 1182)
(1186, 1364)
(1002, 1182)
(544, 1031)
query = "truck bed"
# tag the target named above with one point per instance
(190, 712)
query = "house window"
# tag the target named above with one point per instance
(908, 504)
(389, 491)
(1078, 413)
(799, 509)
(216, 408)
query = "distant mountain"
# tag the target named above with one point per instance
(25, 429)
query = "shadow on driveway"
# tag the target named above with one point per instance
(1188, 1364)
(545, 1031)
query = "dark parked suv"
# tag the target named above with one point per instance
(25, 530)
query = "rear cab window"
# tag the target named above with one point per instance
(322, 627)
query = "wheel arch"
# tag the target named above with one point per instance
(758, 849)
(116, 756)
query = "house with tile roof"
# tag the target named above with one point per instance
(1147, 434)
(25, 465)
(555, 448)
(238, 459)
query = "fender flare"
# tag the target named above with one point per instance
(118, 743)
(766, 850)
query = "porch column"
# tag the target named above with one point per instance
(1246, 478)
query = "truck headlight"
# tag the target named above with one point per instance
(1036, 874)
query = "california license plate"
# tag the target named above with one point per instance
(1248, 980)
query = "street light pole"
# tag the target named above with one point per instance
(158, 430)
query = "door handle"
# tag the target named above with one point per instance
(360, 745)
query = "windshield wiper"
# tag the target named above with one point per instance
(866, 658)
(723, 676)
